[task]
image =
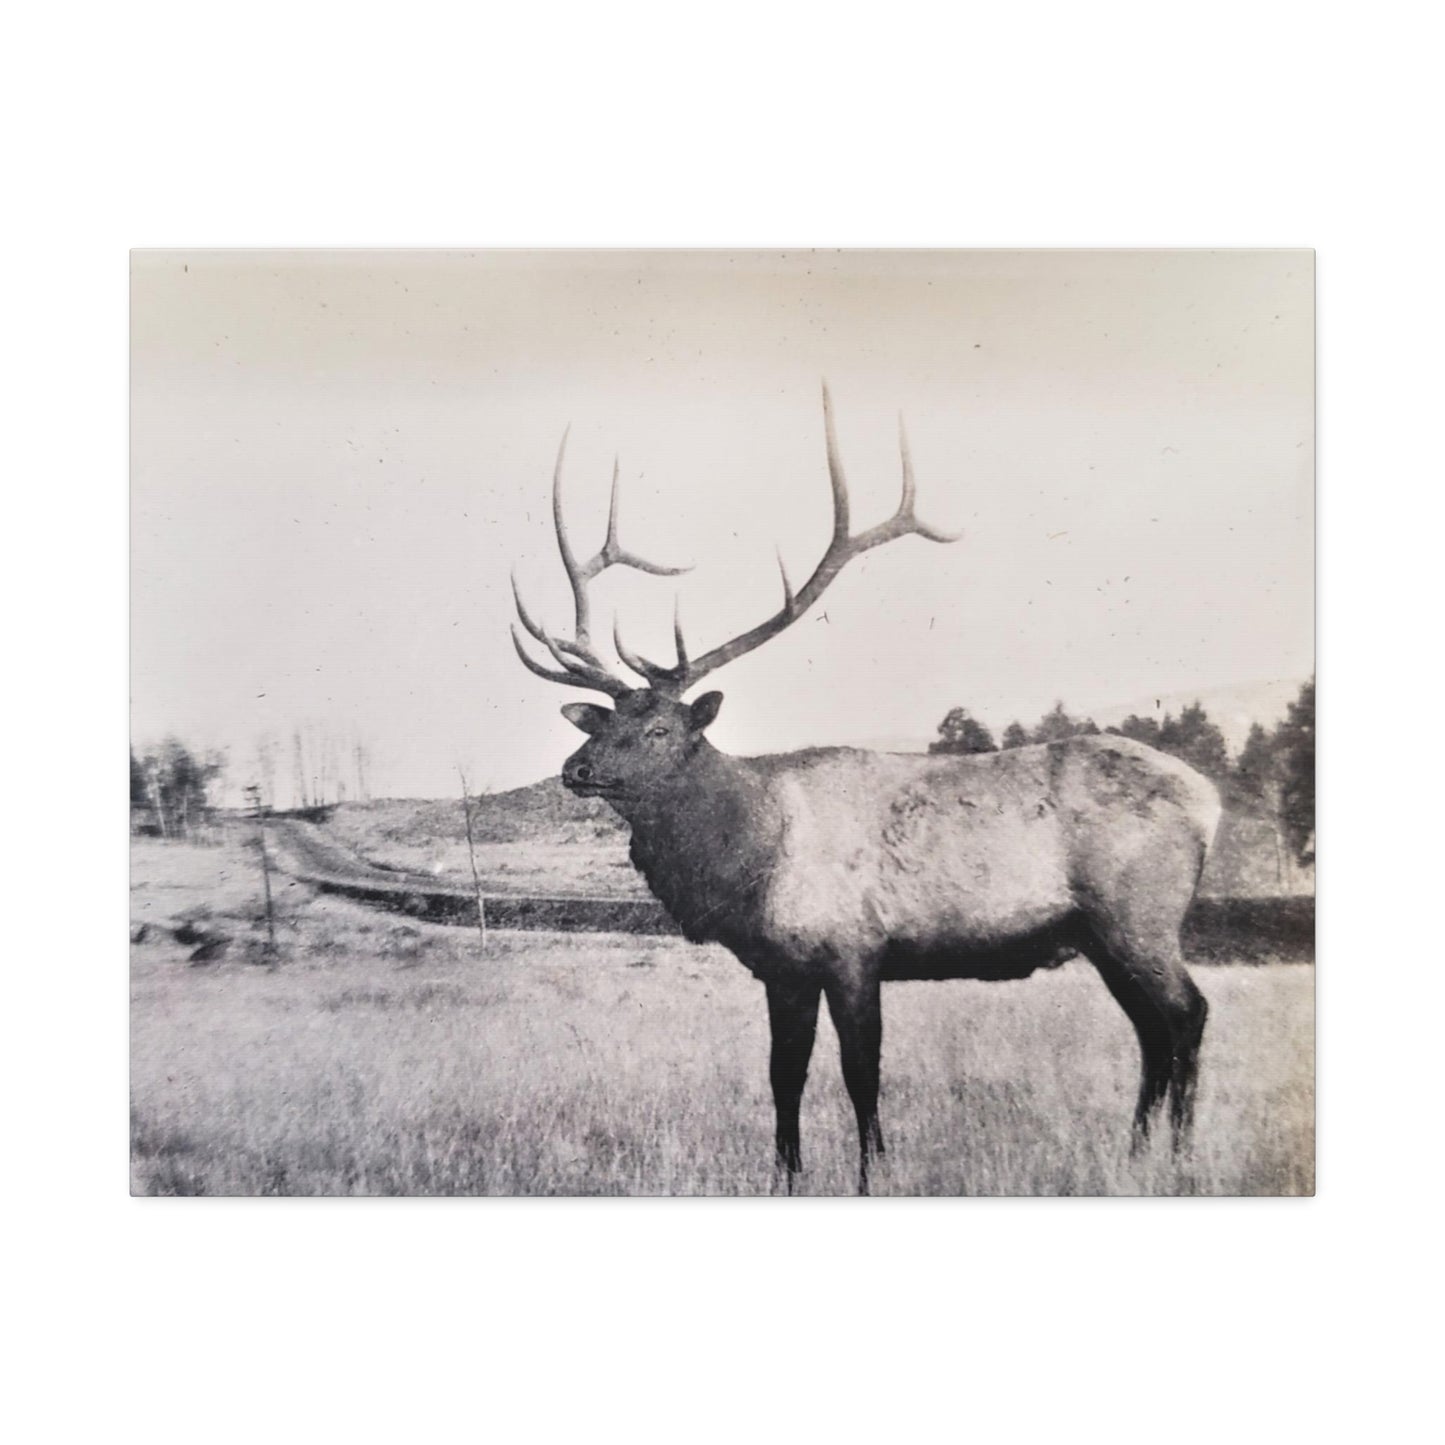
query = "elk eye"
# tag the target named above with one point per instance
(658, 732)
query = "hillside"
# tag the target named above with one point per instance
(538, 837)
(543, 810)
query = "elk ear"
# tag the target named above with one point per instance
(704, 710)
(587, 717)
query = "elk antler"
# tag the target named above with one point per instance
(841, 550)
(580, 663)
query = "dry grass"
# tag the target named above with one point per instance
(387, 1058)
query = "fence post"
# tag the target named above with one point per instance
(272, 953)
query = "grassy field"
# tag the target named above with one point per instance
(395, 1058)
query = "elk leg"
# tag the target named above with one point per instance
(1155, 1041)
(858, 1018)
(1168, 1013)
(1183, 1010)
(1184, 1074)
(793, 1015)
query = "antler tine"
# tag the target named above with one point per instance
(670, 680)
(559, 521)
(654, 672)
(554, 645)
(910, 495)
(835, 470)
(612, 553)
(557, 646)
(677, 638)
(597, 680)
(534, 628)
(910, 486)
(787, 586)
(579, 662)
(581, 667)
(576, 576)
(841, 549)
(610, 545)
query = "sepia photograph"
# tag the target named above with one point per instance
(718, 620)
(722, 723)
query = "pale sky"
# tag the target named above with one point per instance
(338, 456)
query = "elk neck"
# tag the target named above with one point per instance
(705, 838)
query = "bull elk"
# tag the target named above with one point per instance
(830, 870)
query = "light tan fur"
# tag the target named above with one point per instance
(938, 852)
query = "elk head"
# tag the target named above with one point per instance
(635, 747)
(652, 735)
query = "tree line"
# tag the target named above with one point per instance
(326, 764)
(1272, 778)
(172, 786)
(175, 787)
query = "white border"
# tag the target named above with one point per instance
(1045, 124)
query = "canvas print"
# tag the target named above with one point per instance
(765, 723)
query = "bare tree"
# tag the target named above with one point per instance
(266, 751)
(298, 763)
(152, 768)
(472, 857)
(360, 759)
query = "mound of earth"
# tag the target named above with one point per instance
(540, 812)
(539, 837)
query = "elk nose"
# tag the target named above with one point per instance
(579, 773)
